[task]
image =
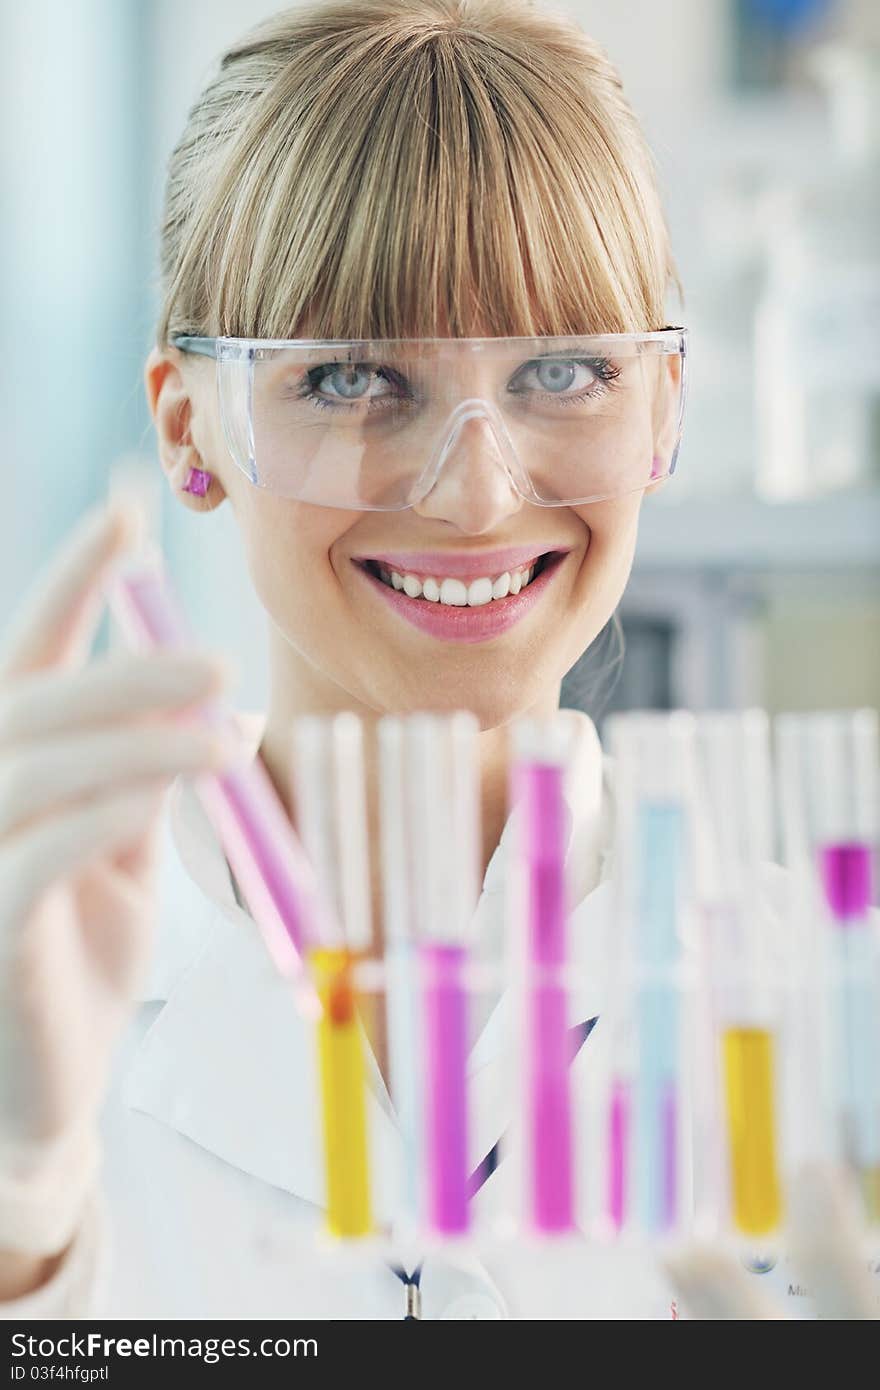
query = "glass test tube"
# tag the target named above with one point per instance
(331, 812)
(541, 959)
(405, 1052)
(829, 768)
(241, 803)
(442, 789)
(647, 1169)
(735, 779)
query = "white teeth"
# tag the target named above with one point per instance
(479, 592)
(453, 592)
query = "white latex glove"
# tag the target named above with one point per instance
(826, 1240)
(87, 751)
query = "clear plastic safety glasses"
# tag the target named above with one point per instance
(370, 425)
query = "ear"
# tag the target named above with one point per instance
(667, 404)
(175, 402)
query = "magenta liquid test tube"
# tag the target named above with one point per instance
(536, 791)
(830, 794)
(242, 804)
(442, 786)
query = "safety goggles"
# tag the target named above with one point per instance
(370, 424)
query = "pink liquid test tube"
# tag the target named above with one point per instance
(241, 803)
(442, 789)
(537, 791)
(830, 791)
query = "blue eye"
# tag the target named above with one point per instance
(555, 376)
(569, 378)
(349, 381)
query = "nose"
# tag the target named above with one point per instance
(473, 489)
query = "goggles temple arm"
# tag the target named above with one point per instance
(205, 347)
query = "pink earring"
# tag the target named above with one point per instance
(198, 482)
(656, 467)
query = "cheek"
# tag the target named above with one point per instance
(613, 528)
(287, 546)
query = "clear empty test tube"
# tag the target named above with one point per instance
(540, 962)
(331, 814)
(442, 798)
(736, 789)
(403, 1012)
(648, 1175)
(829, 782)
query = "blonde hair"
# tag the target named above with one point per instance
(412, 168)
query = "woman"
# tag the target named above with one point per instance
(387, 169)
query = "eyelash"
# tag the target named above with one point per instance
(605, 372)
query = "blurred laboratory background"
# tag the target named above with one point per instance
(758, 573)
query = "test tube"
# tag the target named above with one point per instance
(241, 803)
(442, 787)
(829, 791)
(736, 787)
(401, 963)
(648, 1173)
(536, 791)
(331, 812)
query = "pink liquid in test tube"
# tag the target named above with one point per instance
(242, 803)
(538, 789)
(618, 1145)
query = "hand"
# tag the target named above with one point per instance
(826, 1242)
(87, 752)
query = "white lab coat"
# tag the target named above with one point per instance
(212, 1184)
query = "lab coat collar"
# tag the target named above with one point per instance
(230, 1063)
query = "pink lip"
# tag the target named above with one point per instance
(450, 624)
(452, 564)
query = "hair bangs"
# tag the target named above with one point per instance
(403, 179)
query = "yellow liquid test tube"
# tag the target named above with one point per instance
(343, 1094)
(749, 1092)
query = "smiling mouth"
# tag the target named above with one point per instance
(461, 593)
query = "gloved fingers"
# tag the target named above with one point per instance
(37, 779)
(60, 845)
(121, 687)
(57, 620)
(714, 1287)
(827, 1239)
